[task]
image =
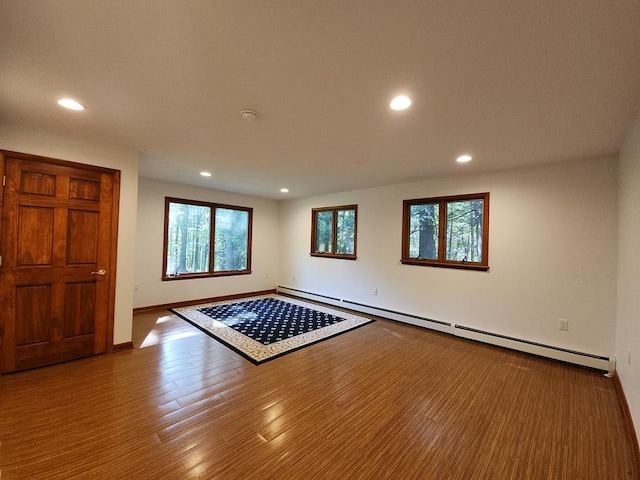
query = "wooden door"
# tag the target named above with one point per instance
(57, 247)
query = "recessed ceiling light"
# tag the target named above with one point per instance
(70, 104)
(205, 174)
(401, 102)
(464, 158)
(284, 190)
(249, 115)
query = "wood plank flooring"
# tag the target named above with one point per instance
(385, 401)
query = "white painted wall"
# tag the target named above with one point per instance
(126, 160)
(553, 249)
(628, 324)
(552, 253)
(149, 244)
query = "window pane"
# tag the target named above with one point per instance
(346, 232)
(188, 239)
(324, 227)
(464, 231)
(231, 240)
(423, 231)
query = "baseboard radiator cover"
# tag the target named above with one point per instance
(336, 302)
(597, 362)
(371, 310)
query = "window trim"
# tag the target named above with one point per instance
(442, 261)
(334, 226)
(212, 232)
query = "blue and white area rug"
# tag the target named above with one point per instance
(263, 328)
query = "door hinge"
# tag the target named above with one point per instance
(4, 180)
(0, 260)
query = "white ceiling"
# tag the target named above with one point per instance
(511, 83)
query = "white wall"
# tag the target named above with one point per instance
(148, 259)
(628, 325)
(553, 249)
(126, 160)
(552, 253)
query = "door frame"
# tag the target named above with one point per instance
(113, 254)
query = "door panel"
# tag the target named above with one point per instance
(57, 235)
(82, 237)
(37, 183)
(79, 308)
(35, 236)
(33, 311)
(82, 189)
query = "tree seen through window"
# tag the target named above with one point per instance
(447, 231)
(333, 232)
(204, 239)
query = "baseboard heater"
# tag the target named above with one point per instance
(598, 362)
(362, 308)
(607, 364)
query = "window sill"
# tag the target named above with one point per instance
(333, 255)
(190, 276)
(458, 265)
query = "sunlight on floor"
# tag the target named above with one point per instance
(164, 319)
(155, 337)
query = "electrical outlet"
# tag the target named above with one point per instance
(563, 324)
(294, 278)
(375, 291)
(136, 287)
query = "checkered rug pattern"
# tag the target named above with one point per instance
(270, 320)
(266, 327)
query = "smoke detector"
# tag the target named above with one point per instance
(249, 115)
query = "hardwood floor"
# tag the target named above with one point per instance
(385, 401)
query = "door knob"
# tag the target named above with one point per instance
(102, 271)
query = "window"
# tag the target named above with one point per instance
(205, 239)
(447, 231)
(333, 232)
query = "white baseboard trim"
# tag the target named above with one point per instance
(598, 362)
